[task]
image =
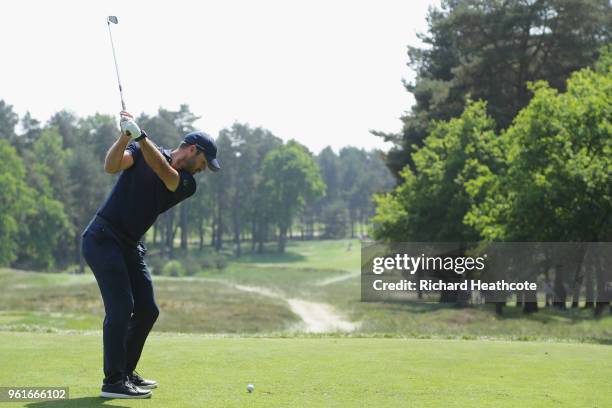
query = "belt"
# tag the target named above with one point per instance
(100, 220)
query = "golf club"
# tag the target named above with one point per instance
(115, 20)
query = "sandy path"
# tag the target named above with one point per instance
(320, 317)
(316, 317)
(336, 279)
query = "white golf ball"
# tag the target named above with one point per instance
(250, 387)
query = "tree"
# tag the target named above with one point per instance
(32, 222)
(236, 191)
(47, 166)
(353, 177)
(377, 179)
(291, 178)
(30, 132)
(201, 206)
(263, 142)
(242, 151)
(329, 164)
(219, 190)
(184, 122)
(67, 125)
(8, 121)
(556, 186)
(15, 199)
(490, 50)
(432, 202)
(89, 184)
(335, 218)
(98, 132)
(46, 229)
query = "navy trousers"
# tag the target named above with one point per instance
(127, 291)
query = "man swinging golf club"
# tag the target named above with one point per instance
(152, 181)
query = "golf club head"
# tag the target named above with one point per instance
(112, 19)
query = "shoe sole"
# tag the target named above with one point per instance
(124, 396)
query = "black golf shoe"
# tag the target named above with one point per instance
(124, 389)
(140, 382)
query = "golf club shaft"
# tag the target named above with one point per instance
(116, 66)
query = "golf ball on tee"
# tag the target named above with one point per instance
(250, 387)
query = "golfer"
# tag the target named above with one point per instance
(152, 181)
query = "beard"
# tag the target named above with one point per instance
(191, 164)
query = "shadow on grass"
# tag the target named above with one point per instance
(544, 315)
(269, 255)
(414, 306)
(549, 315)
(74, 403)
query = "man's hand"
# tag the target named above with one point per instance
(117, 158)
(128, 125)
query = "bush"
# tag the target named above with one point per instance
(335, 218)
(214, 261)
(207, 263)
(192, 266)
(174, 268)
(220, 262)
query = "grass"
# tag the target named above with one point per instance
(340, 255)
(38, 301)
(426, 319)
(197, 371)
(33, 301)
(407, 319)
(403, 354)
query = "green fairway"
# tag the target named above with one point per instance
(201, 371)
(340, 255)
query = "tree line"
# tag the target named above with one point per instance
(52, 182)
(510, 138)
(491, 50)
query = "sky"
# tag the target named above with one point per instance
(321, 72)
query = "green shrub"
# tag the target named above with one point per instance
(216, 261)
(174, 268)
(192, 266)
(220, 262)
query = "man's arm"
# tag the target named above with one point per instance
(158, 163)
(153, 157)
(117, 158)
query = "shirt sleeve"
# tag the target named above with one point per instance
(186, 187)
(134, 149)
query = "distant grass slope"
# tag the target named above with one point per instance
(298, 271)
(199, 371)
(340, 255)
(30, 300)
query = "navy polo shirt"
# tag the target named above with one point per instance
(139, 196)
